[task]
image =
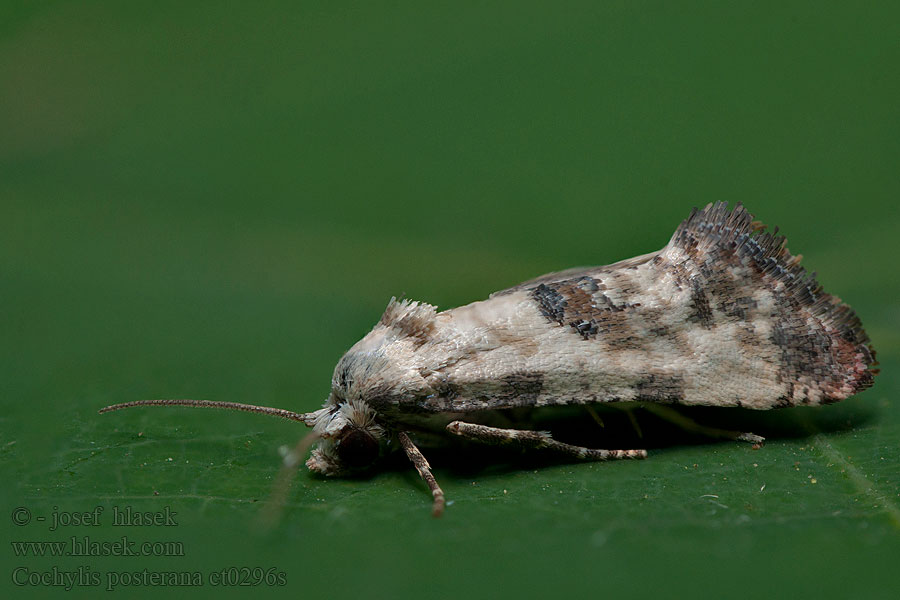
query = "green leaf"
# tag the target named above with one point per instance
(216, 201)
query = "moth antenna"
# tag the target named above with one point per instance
(271, 512)
(306, 418)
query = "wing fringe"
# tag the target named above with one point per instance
(715, 228)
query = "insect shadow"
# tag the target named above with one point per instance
(642, 428)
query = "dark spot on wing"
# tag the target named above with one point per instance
(700, 310)
(524, 387)
(738, 308)
(661, 331)
(783, 402)
(587, 329)
(343, 376)
(820, 338)
(660, 388)
(805, 350)
(448, 390)
(581, 304)
(515, 389)
(550, 302)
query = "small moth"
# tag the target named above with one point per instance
(723, 315)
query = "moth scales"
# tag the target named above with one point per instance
(723, 315)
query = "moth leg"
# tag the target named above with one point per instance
(634, 423)
(676, 418)
(538, 440)
(424, 469)
(628, 408)
(591, 411)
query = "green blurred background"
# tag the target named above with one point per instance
(216, 199)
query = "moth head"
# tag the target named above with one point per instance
(349, 438)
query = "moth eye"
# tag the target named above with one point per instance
(357, 449)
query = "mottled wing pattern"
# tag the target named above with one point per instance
(731, 264)
(732, 296)
(723, 315)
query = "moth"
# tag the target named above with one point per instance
(723, 315)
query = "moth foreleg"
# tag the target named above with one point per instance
(676, 418)
(424, 469)
(537, 440)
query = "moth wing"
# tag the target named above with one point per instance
(574, 272)
(824, 354)
(723, 315)
(577, 273)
